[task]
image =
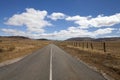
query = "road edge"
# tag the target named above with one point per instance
(107, 77)
(11, 61)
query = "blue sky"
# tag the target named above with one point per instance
(60, 19)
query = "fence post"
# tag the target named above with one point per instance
(104, 46)
(83, 45)
(76, 44)
(87, 44)
(91, 45)
(79, 44)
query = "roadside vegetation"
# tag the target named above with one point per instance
(15, 47)
(107, 61)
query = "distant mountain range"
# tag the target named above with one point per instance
(15, 37)
(93, 39)
(21, 37)
(80, 39)
(43, 39)
(70, 39)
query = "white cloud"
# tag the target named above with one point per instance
(56, 15)
(33, 19)
(78, 32)
(81, 21)
(62, 34)
(103, 31)
(14, 32)
(35, 23)
(77, 18)
(100, 21)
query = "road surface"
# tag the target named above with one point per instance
(49, 63)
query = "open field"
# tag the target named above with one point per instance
(107, 62)
(12, 47)
(111, 47)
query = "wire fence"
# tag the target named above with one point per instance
(104, 46)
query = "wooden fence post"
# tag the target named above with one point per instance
(76, 44)
(79, 44)
(104, 46)
(83, 45)
(91, 45)
(87, 44)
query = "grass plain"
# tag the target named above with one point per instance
(15, 47)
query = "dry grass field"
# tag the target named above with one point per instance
(15, 47)
(111, 47)
(107, 62)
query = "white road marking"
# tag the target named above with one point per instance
(50, 77)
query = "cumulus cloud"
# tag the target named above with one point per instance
(33, 19)
(78, 32)
(105, 20)
(34, 23)
(103, 31)
(81, 21)
(62, 34)
(56, 15)
(99, 21)
(14, 32)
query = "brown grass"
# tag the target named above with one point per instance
(112, 47)
(108, 62)
(12, 48)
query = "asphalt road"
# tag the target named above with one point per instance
(49, 63)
